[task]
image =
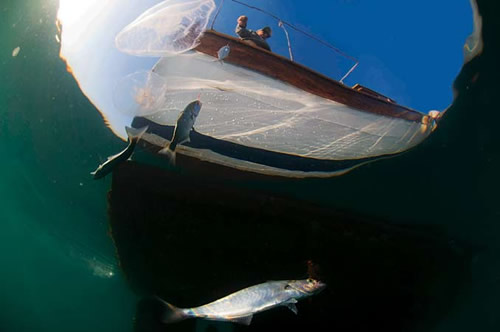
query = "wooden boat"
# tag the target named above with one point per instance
(346, 126)
(276, 66)
(262, 112)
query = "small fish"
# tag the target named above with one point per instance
(134, 135)
(223, 52)
(183, 127)
(240, 307)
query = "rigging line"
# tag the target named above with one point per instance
(349, 72)
(281, 25)
(217, 14)
(299, 30)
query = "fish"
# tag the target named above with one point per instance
(223, 52)
(240, 306)
(183, 128)
(134, 135)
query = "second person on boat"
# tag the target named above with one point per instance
(255, 38)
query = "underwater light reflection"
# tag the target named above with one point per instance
(73, 14)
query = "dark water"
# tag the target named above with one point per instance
(59, 271)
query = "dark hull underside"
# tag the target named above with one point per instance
(281, 161)
(192, 239)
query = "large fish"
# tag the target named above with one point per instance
(240, 307)
(183, 127)
(134, 135)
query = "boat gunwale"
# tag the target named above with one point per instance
(402, 112)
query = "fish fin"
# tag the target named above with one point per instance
(292, 307)
(96, 174)
(147, 315)
(134, 133)
(245, 320)
(170, 313)
(169, 153)
(186, 140)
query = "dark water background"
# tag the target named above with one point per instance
(55, 252)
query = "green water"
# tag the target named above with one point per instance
(55, 252)
(55, 249)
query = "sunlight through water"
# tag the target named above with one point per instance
(140, 58)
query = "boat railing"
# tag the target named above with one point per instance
(283, 24)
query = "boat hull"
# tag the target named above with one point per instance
(257, 123)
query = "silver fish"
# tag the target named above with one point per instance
(183, 127)
(240, 307)
(134, 135)
(223, 52)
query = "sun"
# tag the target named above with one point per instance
(72, 11)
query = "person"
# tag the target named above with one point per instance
(256, 38)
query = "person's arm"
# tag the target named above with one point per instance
(241, 28)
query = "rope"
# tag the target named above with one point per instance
(216, 14)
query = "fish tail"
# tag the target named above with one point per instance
(152, 313)
(135, 133)
(169, 152)
(170, 313)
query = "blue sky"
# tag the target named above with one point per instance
(408, 50)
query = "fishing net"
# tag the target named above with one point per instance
(140, 93)
(172, 26)
(250, 109)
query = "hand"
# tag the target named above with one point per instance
(242, 21)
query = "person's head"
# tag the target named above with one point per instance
(265, 32)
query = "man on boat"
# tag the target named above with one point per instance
(256, 38)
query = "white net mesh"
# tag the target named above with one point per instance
(141, 93)
(248, 108)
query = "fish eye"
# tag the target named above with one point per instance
(287, 286)
(309, 280)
